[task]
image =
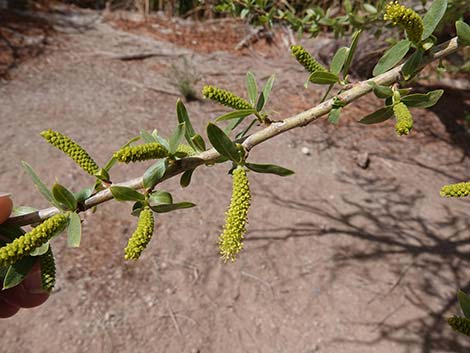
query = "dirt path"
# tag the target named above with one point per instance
(337, 258)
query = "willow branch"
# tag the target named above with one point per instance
(304, 118)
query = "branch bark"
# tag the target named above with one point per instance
(304, 118)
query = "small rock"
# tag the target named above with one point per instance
(305, 151)
(362, 160)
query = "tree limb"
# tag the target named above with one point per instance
(304, 118)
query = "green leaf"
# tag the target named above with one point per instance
(251, 87)
(323, 78)
(147, 136)
(378, 116)
(464, 301)
(269, 168)
(176, 137)
(160, 139)
(236, 114)
(185, 179)
(419, 100)
(112, 161)
(21, 210)
(40, 250)
(172, 207)
(160, 197)
(351, 52)
(74, 231)
(42, 188)
(63, 196)
(102, 175)
(123, 193)
(222, 143)
(382, 91)
(433, 17)
(11, 231)
(199, 143)
(18, 271)
(183, 117)
(370, 8)
(83, 194)
(392, 57)
(154, 173)
(463, 32)
(261, 102)
(411, 64)
(333, 116)
(267, 89)
(137, 208)
(338, 60)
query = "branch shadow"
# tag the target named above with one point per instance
(388, 221)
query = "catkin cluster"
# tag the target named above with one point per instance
(142, 235)
(406, 18)
(460, 324)
(225, 98)
(456, 190)
(306, 60)
(231, 239)
(23, 245)
(47, 263)
(71, 149)
(142, 152)
(404, 119)
(188, 150)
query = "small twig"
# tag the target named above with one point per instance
(207, 157)
(173, 318)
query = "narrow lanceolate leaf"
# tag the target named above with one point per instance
(199, 143)
(411, 64)
(25, 244)
(464, 301)
(351, 52)
(147, 136)
(463, 32)
(83, 194)
(176, 137)
(433, 17)
(172, 207)
(185, 179)
(74, 231)
(338, 60)
(183, 117)
(42, 188)
(47, 263)
(236, 114)
(160, 197)
(392, 57)
(418, 100)
(261, 102)
(222, 143)
(154, 173)
(251, 87)
(65, 197)
(123, 193)
(72, 149)
(323, 78)
(269, 168)
(378, 116)
(267, 89)
(17, 272)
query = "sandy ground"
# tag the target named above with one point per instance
(337, 258)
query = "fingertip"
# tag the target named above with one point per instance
(6, 205)
(7, 309)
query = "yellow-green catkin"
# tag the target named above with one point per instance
(25, 244)
(306, 60)
(231, 239)
(71, 149)
(142, 235)
(456, 190)
(406, 18)
(47, 263)
(404, 119)
(460, 324)
(225, 98)
(143, 152)
(188, 150)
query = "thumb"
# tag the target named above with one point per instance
(6, 205)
